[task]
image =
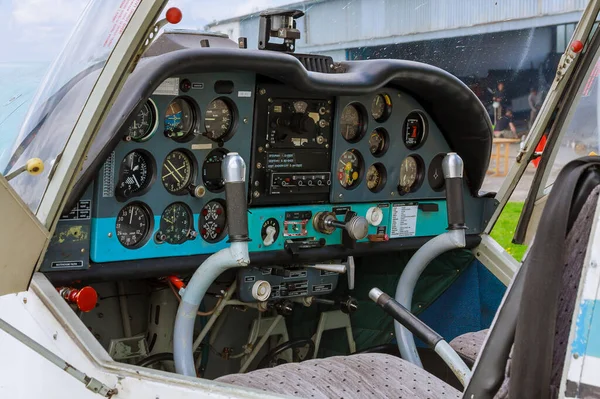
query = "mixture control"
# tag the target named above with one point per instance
(357, 227)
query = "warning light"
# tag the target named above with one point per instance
(174, 15)
(577, 46)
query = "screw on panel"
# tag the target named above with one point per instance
(109, 235)
(245, 120)
(258, 165)
(341, 195)
(270, 100)
(392, 193)
(82, 250)
(256, 194)
(262, 92)
(260, 149)
(593, 263)
(24, 300)
(326, 145)
(267, 145)
(55, 336)
(257, 183)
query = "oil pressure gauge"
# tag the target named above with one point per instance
(411, 174)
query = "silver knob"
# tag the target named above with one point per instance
(357, 227)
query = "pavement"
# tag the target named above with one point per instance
(493, 183)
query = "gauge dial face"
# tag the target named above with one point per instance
(350, 169)
(144, 123)
(133, 226)
(378, 142)
(176, 223)
(211, 170)
(352, 123)
(410, 174)
(213, 221)
(180, 119)
(376, 177)
(218, 120)
(177, 172)
(381, 107)
(415, 130)
(135, 175)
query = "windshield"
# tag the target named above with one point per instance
(63, 92)
(506, 52)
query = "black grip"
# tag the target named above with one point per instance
(455, 203)
(237, 211)
(409, 320)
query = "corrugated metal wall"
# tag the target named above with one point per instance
(342, 21)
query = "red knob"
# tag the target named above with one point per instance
(174, 15)
(84, 298)
(176, 281)
(576, 46)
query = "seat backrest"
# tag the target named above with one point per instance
(532, 326)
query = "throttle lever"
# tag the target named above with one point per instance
(453, 166)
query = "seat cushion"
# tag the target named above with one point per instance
(469, 344)
(369, 375)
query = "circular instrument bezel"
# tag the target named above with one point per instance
(416, 185)
(164, 226)
(361, 173)
(202, 218)
(387, 110)
(382, 177)
(386, 142)
(153, 127)
(416, 114)
(145, 209)
(234, 120)
(195, 124)
(207, 182)
(263, 230)
(151, 164)
(190, 181)
(363, 121)
(436, 163)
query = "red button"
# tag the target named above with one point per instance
(174, 15)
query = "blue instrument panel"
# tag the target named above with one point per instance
(160, 194)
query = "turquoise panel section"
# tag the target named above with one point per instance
(587, 333)
(105, 247)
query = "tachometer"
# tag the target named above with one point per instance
(411, 174)
(135, 174)
(180, 119)
(177, 172)
(176, 224)
(133, 226)
(376, 177)
(378, 142)
(213, 221)
(352, 123)
(145, 122)
(415, 130)
(381, 107)
(350, 169)
(219, 120)
(211, 170)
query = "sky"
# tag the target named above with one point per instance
(36, 30)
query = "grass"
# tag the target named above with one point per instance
(505, 229)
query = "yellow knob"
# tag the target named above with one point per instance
(35, 166)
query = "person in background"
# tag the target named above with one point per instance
(501, 102)
(505, 127)
(534, 105)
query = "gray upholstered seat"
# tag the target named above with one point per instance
(366, 375)
(469, 344)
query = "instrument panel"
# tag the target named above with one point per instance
(160, 194)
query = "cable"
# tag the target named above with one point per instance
(152, 359)
(210, 312)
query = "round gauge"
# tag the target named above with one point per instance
(135, 174)
(211, 170)
(213, 221)
(435, 174)
(376, 177)
(352, 123)
(269, 232)
(350, 169)
(411, 174)
(381, 107)
(378, 142)
(177, 172)
(218, 120)
(180, 119)
(133, 226)
(176, 224)
(415, 130)
(145, 122)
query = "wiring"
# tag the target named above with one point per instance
(210, 312)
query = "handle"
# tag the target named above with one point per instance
(233, 170)
(404, 317)
(453, 167)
